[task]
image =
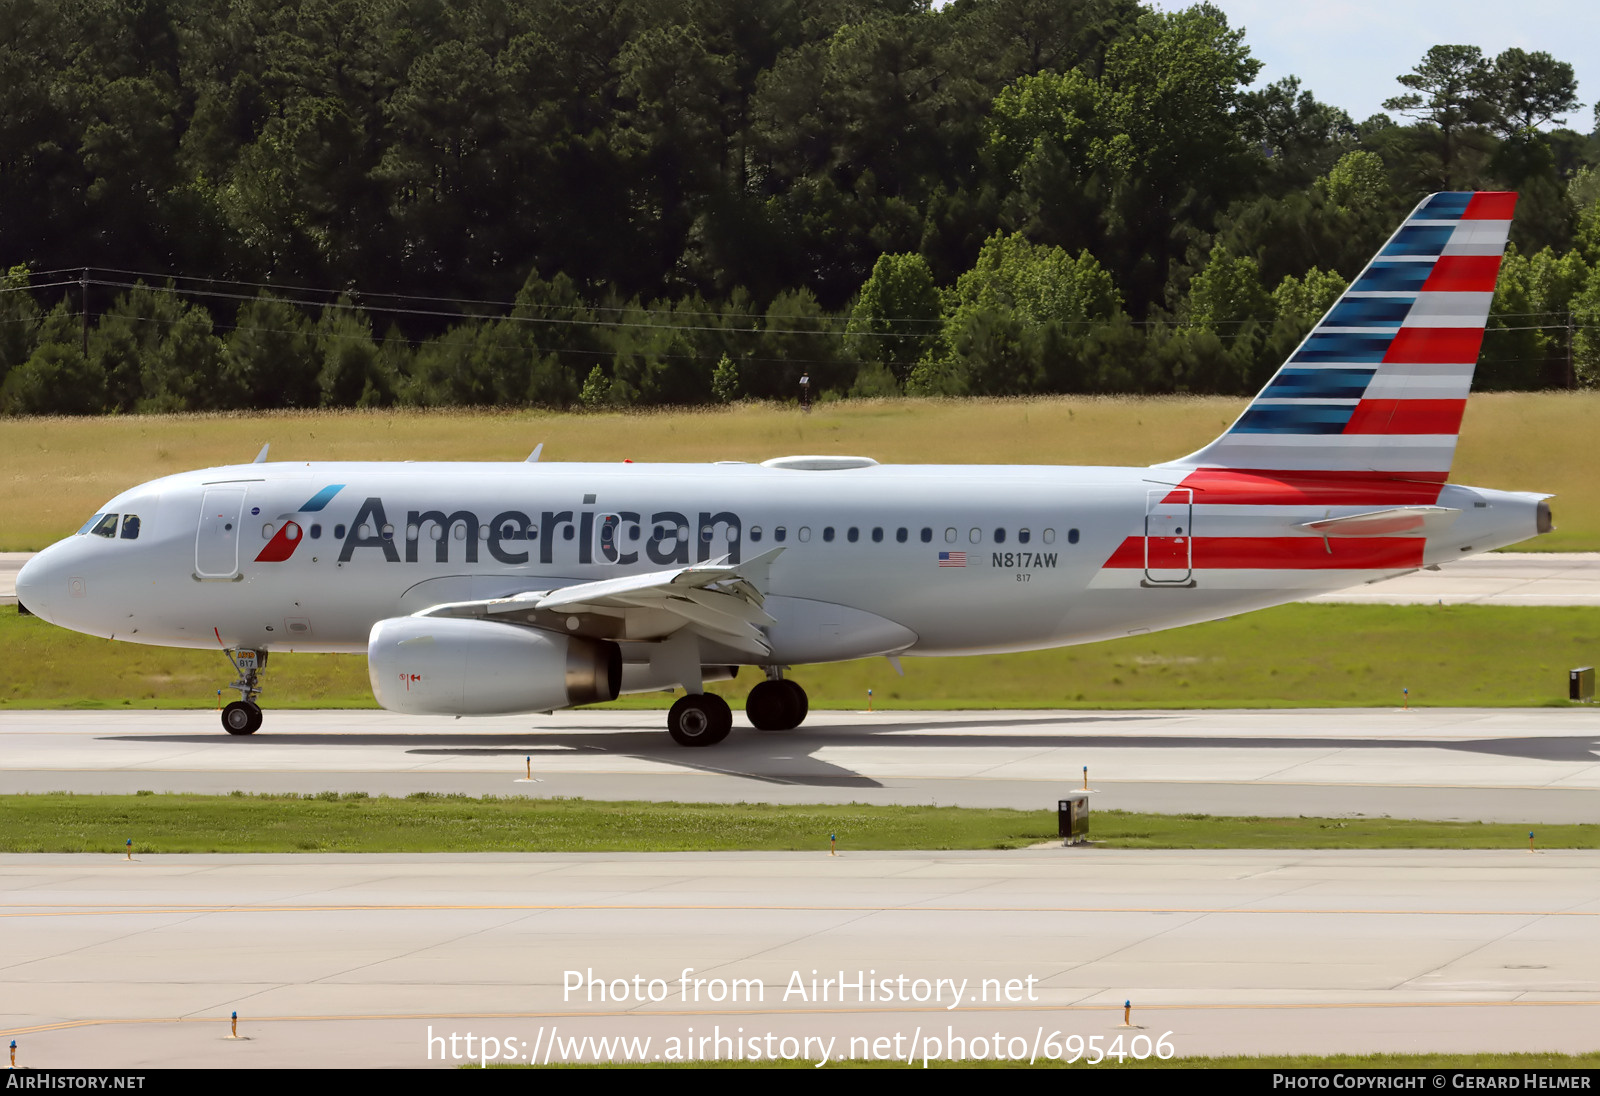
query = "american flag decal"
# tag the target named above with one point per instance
(952, 559)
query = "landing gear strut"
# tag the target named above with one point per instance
(243, 716)
(776, 704)
(699, 719)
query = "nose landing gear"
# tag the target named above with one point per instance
(243, 716)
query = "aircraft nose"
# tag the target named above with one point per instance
(30, 600)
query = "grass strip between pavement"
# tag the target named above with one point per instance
(1293, 656)
(426, 822)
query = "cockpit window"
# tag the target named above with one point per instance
(106, 526)
(130, 527)
(90, 524)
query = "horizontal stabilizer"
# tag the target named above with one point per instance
(1421, 521)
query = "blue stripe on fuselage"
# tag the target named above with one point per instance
(321, 498)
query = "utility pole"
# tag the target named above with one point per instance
(83, 285)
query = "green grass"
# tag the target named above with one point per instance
(421, 823)
(1291, 656)
(59, 470)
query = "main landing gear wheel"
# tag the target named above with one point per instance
(699, 720)
(241, 717)
(776, 706)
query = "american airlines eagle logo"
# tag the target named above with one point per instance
(289, 535)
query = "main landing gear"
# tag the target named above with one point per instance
(777, 704)
(704, 719)
(243, 716)
(699, 719)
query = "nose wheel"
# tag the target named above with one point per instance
(243, 716)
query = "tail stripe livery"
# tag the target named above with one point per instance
(1362, 418)
(1380, 384)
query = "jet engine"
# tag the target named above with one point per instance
(450, 666)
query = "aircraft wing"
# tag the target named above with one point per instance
(718, 600)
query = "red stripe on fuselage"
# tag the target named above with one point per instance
(1407, 417)
(1443, 345)
(1463, 274)
(282, 544)
(1262, 487)
(1284, 553)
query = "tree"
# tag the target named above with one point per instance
(1452, 89)
(19, 320)
(725, 380)
(1300, 136)
(1018, 321)
(1229, 315)
(352, 373)
(1531, 89)
(269, 359)
(896, 314)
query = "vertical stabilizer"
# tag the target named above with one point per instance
(1380, 384)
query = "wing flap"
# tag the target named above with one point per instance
(719, 600)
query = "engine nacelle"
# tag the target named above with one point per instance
(451, 666)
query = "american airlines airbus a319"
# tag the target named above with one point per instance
(478, 589)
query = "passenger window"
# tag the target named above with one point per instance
(1049, 536)
(266, 531)
(927, 535)
(1023, 536)
(388, 532)
(130, 527)
(900, 534)
(706, 533)
(459, 529)
(1072, 536)
(755, 533)
(316, 531)
(877, 535)
(999, 536)
(805, 533)
(780, 534)
(974, 535)
(411, 532)
(338, 531)
(106, 526)
(853, 535)
(949, 536)
(827, 534)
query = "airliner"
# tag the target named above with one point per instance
(528, 586)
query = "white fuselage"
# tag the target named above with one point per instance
(877, 559)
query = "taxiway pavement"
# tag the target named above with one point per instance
(1509, 765)
(363, 960)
